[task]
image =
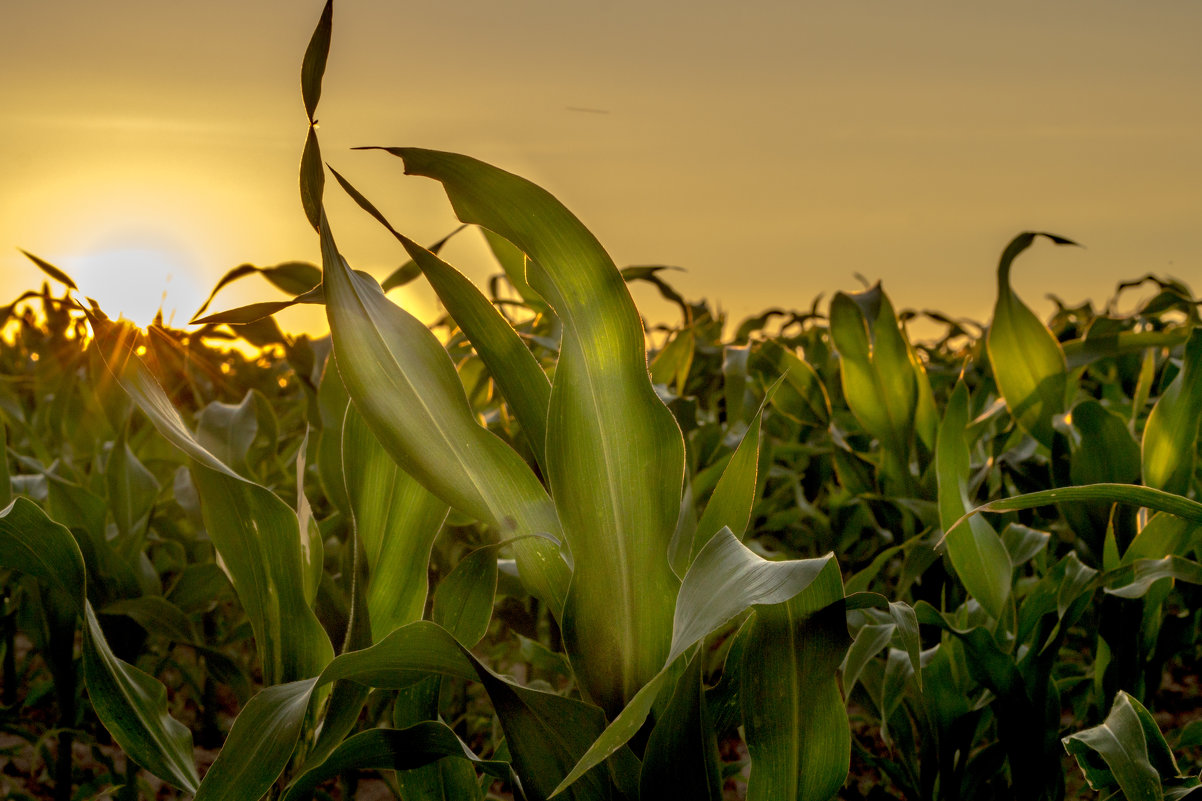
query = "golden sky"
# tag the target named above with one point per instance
(773, 149)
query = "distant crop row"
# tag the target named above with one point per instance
(535, 551)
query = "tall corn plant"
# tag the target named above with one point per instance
(592, 542)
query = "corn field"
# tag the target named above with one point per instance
(539, 550)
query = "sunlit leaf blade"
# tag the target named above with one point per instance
(724, 581)
(976, 551)
(314, 65)
(509, 362)
(879, 379)
(1028, 363)
(1122, 744)
(607, 430)
(1171, 432)
(681, 760)
(670, 366)
(409, 270)
(51, 270)
(388, 361)
(393, 749)
(397, 520)
(130, 704)
(312, 178)
(802, 396)
(793, 714)
(513, 262)
(257, 534)
(294, 277)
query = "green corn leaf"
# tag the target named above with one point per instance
(387, 360)
(671, 365)
(802, 396)
(869, 641)
(793, 714)
(880, 376)
(1126, 750)
(607, 430)
(681, 760)
(546, 733)
(1171, 433)
(397, 520)
(131, 704)
(132, 488)
(976, 551)
(1132, 494)
(294, 277)
(724, 581)
(391, 749)
(1163, 535)
(463, 600)
(733, 497)
(157, 615)
(409, 270)
(257, 534)
(312, 178)
(1133, 580)
(1028, 363)
(259, 744)
(513, 262)
(1106, 451)
(314, 65)
(511, 364)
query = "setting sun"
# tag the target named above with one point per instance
(136, 282)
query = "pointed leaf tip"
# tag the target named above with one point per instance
(314, 65)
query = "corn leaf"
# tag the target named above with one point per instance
(1171, 433)
(794, 717)
(257, 534)
(1132, 752)
(396, 519)
(681, 759)
(463, 600)
(388, 360)
(1028, 363)
(313, 66)
(1132, 494)
(131, 704)
(976, 551)
(607, 430)
(733, 497)
(546, 733)
(724, 581)
(509, 362)
(880, 382)
(392, 749)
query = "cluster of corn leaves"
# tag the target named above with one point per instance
(615, 500)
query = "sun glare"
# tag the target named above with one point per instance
(136, 282)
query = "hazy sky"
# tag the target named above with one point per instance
(773, 149)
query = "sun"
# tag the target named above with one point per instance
(136, 281)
